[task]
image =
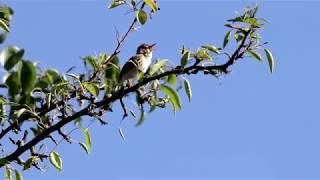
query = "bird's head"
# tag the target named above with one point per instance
(145, 49)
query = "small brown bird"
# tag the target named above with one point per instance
(138, 63)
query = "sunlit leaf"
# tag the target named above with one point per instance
(185, 58)
(10, 56)
(55, 160)
(85, 147)
(211, 48)
(18, 175)
(157, 66)
(91, 61)
(226, 39)
(87, 137)
(172, 79)
(92, 88)
(173, 95)
(8, 175)
(203, 54)
(142, 16)
(255, 54)
(187, 88)
(4, 26)
(270, 59)
(28, 76)
(116, 3)
(151, 4)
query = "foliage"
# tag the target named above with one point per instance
(40, 102)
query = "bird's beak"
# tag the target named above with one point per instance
(152, 46)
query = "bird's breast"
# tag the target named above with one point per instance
(146, 63)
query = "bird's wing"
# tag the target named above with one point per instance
(130, 65)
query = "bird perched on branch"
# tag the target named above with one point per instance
(138, 63)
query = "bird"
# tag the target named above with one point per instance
(138, 63)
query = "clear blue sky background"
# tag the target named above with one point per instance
(249, 124)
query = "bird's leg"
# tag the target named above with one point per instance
(129, 83)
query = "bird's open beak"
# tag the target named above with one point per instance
(152, 46)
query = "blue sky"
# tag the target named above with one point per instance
(248, 124)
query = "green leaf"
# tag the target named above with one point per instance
(18, 175)
(13, 82)
(173, 96)
(90, 60)
(53, 76)
(238, 37)
(187, 88)
(253, 22)
(28, 76)
(142, 117)
(3, 37)
(211, 48)
(157, 66)
(8, 173)
(85, 147)
(116, 3)
(92, 88)
(172, 79)
(185, 58)
(255, 54)
(142, 16)
(10, 56)
(4, 26)
(151, 4)
(29, 162)
(226, 39)
(87, 137)
(270, 59)
(202, 54)
(55, 160)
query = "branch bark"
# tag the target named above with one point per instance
(194, 69)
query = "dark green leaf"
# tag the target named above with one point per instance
(255, 54)
(87, 137)
(116, 3)
(173, 96)
(10, 56)
(28, 76)
(84, 146)
(172, 79)
(187, 88)
(3, 37)
(13, 82)
(270, 59)
(185, 58)
(53, 76)
(151, 4)
(226, 39)
(92, 88)
(142, 117)
(18, 175)
(29, 162)
(211, 48)
(142, 16)
(238, 37)
(55, 160)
